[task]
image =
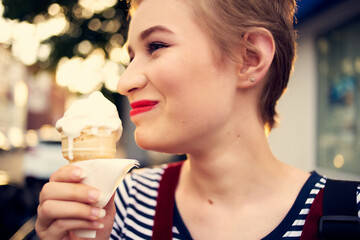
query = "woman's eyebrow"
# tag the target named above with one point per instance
(147, 32)
(158, 28)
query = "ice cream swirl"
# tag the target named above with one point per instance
(94, 113)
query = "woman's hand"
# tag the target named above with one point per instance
(66, 205)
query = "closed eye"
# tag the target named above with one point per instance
(151, 47)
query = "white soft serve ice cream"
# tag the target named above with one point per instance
(94, 117)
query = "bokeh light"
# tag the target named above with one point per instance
(26, 38)
(97, 6)
(16, 137)
(94, 63)
(95, 24)
(54, 9)
(84, 47)
(4, 178)
(4, 143)
(32, 138)
(84, 75)
(20, 94)
(339, 161)
(357, 65)
(120, 54)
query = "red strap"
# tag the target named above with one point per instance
(311, 228)
(163, 219)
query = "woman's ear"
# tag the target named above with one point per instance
(257, 59)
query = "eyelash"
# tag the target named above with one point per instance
(151, 47)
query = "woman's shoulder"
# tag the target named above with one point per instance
(338, 191)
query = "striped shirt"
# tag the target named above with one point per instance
(135, 202)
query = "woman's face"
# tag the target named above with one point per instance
(181, 97)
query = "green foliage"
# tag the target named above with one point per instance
(65, 45)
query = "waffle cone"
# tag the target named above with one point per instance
(89, 145)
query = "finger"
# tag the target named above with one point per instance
(54, 210)
(60, 228)
(69, 192)
(68, 173)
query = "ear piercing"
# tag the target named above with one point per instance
(252, 79)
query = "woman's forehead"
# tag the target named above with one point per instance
(171, 13)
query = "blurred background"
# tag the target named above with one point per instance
(55, 52)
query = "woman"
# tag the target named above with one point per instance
(204, 79)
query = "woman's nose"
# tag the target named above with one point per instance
(130, 81)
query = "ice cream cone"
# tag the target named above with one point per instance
(93, 143)
(89, 132)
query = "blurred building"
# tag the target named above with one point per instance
(13, 100)
(319, 126)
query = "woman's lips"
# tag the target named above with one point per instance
(142, 106)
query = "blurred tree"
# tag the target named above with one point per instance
(91, 24)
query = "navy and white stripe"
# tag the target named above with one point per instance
(136, 200)
(296, 228)
(135, 204)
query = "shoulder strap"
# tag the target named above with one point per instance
(164, 210)
(340, 212)
(340, 198)
(333, 214)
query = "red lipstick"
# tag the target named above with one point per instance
(142, 106)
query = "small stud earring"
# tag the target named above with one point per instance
(252, 79)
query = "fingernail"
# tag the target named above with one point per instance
(94, 195)
(99, 225)
(78, 173)
(102, 213)
(98, 212)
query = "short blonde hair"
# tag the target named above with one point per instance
(227, 21)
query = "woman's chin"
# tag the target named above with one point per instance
(155, 142)
(146, 143)
(157, 146)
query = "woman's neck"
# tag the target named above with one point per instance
(224, 186)
(233, 169)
